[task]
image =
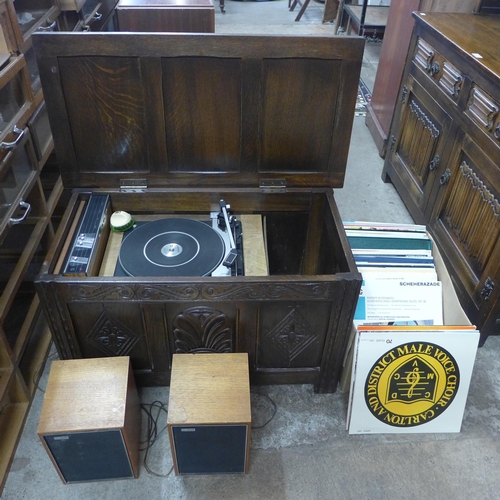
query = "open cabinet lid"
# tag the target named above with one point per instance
(200, 110)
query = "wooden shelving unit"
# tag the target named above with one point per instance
(29, 177)
(29, 192)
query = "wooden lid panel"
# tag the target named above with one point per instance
(204, 110)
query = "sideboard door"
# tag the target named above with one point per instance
(417, 150)
(466, 222)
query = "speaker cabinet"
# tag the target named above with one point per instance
(90, 419)
(209, 416)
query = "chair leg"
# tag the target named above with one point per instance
(302, 10)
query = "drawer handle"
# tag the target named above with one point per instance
(434, 68)
(47, 28)
(27, 210)
(393, 143)
(434, 163)
(96, 17)
(445, 178)
(489, 284)
(13, 144)
(404, 93)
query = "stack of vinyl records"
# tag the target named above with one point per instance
(414, 349)
(400, 282)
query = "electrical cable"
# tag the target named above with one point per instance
(152, 433)
(274, 410)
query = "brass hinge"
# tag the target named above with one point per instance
(272, 185)
(133, 185)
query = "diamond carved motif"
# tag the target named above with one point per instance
(292, 335)
(112, 337)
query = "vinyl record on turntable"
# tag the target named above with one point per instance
(172, 247)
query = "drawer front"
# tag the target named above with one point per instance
(467, 218)
(15, 94)
(96, 18)
(448, 78)
(40, 131)
(484, 111)
(17, 174)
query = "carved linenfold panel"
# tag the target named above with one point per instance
(292, 336)
(473, 213)
(112, 337)
(451, 81)
(482, 108)
(418, 141)
(202, 329)
(424, 54)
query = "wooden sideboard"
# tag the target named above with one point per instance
(444, 149)
(392, 60)
(192, 16)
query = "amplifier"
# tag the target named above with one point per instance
(87, 245)
(90, 419)
(209, 416)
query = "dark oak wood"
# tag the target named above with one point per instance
(444, 150)
(203, 118)
(186, 16)
(133, 67)
(392, 60)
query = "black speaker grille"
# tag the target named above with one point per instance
(210, 449)
(90, 456)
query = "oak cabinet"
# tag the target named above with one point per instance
(392, 61)
(256, 121)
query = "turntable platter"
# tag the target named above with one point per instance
(172, 247)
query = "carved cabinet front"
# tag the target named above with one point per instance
(445, 149)
(294, 333)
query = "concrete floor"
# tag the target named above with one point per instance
(305, 453)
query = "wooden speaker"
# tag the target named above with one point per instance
(209, 416)
(90, 420)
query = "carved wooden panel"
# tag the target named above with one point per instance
(451, 80)
(292, 335)
(473, 213)
(111, 336)
(424, 55)
(203, 329)
(419, 139)
(482, 108)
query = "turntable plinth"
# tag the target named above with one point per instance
(169, 125)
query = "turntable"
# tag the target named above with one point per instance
(164, 127)
(183, 247)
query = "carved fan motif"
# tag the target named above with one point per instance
(202, 329)
(111, 337)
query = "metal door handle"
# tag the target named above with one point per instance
(13, 144)
(27, 210)
(47, 28)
